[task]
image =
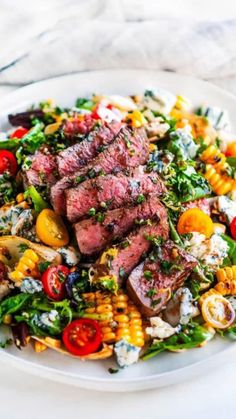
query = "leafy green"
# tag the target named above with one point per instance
(173, 233)
(83, 103)
(30, 142)
(191, 337)
(186, 183)
(231, 161)
(13, 304)
(232, 250)
(38, 201)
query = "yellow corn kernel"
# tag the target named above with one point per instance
(39, 346)
(223, 288)
(125, 321)
(221, 275)
(16, 276)
(182, 103)
(20, 198)
(26, 265)
(55, 343)
(137, 119)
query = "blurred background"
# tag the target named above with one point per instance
(54, 37)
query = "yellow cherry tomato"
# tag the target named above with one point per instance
(231, 150)
(195, 220)
(50, 229)
(217, 311)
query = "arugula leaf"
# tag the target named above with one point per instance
(194, 337)
(83, 103)
(13, 304)
(232, 249)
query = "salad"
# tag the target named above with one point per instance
(118, 227)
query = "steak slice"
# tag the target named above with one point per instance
(92, 235)
(151, 283)
(111, 191)
(129, 149)
(78, 155)
(119, 261)
(43, 170)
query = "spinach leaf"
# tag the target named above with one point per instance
(13, 304)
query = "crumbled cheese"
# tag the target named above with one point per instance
(211, 251)
(218, 118)
(160, 329)
(184, 139)
(187, 309)
(227, 207)
(159, 100)
(15, 219)
(157, 128)
(31, 285)
(126, 354)
(46, 319)
(70, 255)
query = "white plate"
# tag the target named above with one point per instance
(167, 368)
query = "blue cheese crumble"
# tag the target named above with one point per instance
(210, 251)
(30, 285)
(126, 354)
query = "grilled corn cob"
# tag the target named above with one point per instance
(213, 155)
(221, 184)
(226, 278)
(26, 266)
(123, 318)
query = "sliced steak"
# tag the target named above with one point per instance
(92, 235)
(75, 157)
(129, 149)
(111, 191)
(43, 170)
(120, 260)
(151, 283)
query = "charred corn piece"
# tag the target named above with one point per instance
(26, 266)
(124, 320)
(136, 118)
(182, 103)
(221, 184)
(213, 155)
(226, 278)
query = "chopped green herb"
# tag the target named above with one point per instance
(150, 293)
(43, 266)
(147, 274)
(92, 211)
(140, 199)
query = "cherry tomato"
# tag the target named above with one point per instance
(8, 162)
(82, 337)
(217, 311)
(233, 228)
(231, 150)
(50, 229)
(193, 220)
(19, 132)
(53, 280)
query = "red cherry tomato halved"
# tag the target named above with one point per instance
(53, 280)
(82, 337)
(233, 228)
(8, 162)
(19, 132)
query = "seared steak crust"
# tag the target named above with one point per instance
(93, 235)
(78, 155)
(111, 191)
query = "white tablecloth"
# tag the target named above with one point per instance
(46, 38)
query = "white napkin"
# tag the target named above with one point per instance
(55, 37)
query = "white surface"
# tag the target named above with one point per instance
(197, 91)
(41, 39)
